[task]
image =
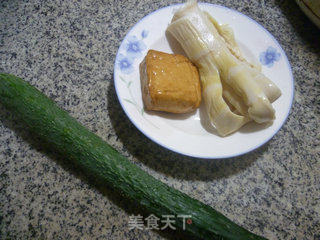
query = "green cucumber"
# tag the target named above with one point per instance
(64, 134)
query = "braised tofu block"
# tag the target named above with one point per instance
(169, 82)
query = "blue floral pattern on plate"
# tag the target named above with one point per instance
(135, 47)
(125, 63)
(269, 57)
(133, 50)
(144, 34)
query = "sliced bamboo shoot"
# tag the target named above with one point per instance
(219, 113)
(199, 38)
(268, 87)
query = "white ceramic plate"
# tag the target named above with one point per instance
(184, 133)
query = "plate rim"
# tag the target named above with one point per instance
(194, 155)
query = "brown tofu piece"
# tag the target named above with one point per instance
(169, 82)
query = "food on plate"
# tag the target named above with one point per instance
(169, 82)
(63, 135)
(234, 90)
(269, 88)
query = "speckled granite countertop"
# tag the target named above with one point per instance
(67, 50)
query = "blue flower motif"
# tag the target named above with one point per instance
(144, 34)
(135, 47)
(125, 64)
(269, 57)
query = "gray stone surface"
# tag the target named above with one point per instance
(67, 50)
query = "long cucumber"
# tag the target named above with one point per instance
(64, 134)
